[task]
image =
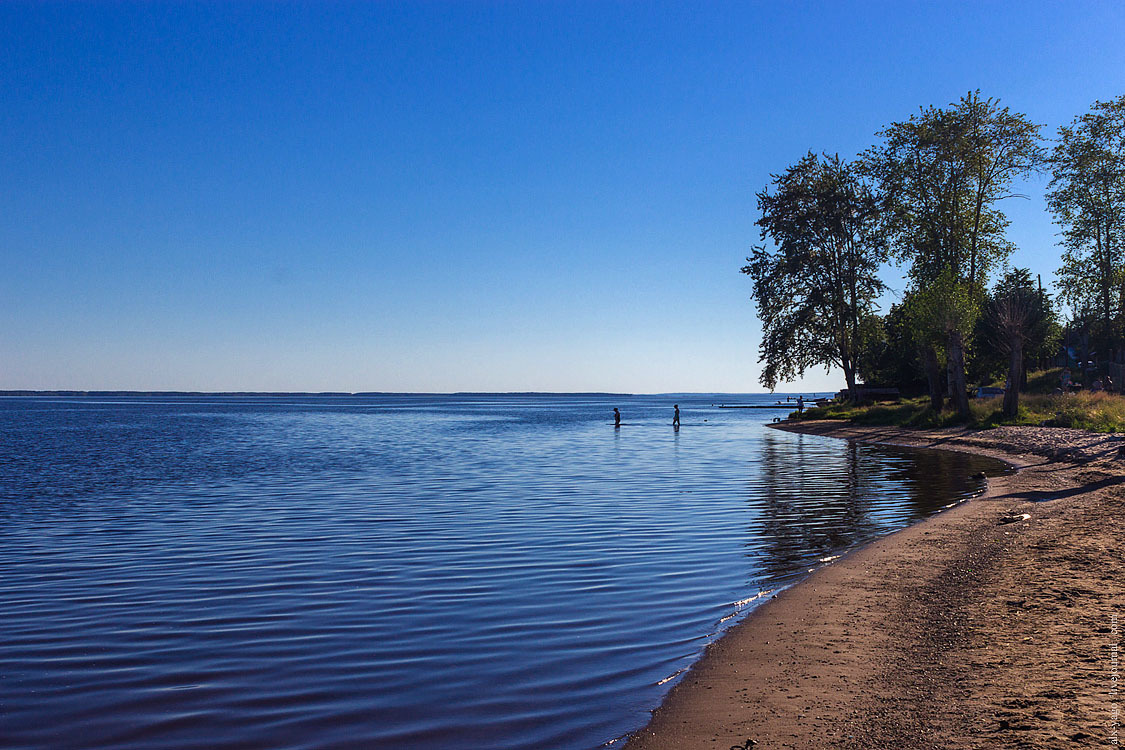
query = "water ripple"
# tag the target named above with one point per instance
(401, 571)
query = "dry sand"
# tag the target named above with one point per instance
(958, 632)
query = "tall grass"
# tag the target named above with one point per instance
(1097, 412)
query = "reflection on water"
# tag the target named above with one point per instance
(811, 502)
(401, 571)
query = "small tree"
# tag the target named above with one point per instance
(1012, 319)
(816, 286)
(1043, 334)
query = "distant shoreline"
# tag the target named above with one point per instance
(71, 393)
(958, 631)
(309, 393)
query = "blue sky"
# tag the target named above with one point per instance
(457, 196)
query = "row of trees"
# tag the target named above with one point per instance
(928, 197)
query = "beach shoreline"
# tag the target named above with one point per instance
(958, 631)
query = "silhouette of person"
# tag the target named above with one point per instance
(676, 416)
(800, 404)
(616, 417)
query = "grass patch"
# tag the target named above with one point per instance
(1097, 412)
(1043, 381)
(915, 412)
(1038, 381)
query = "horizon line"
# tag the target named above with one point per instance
(23, 392)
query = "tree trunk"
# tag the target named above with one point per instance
(1085, 354)
(933, 377)
(1015, 371)
(957, 374)
(853, 392)
(1105, 260)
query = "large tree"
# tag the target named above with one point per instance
(941, 174)
(1087, 198)
(819, 281)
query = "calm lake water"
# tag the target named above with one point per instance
(402, 571)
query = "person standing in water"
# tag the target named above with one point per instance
(800, 404)
(616, 417)
(676, 416)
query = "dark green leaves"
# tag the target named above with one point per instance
(819, 280)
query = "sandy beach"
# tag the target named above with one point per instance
(967, 630)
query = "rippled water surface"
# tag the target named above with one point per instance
(401, 571)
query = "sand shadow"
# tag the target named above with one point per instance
(1040, 496)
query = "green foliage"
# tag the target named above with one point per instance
(940, 174)
(889, 351)
(1087, 198)
(945, 304)
(1040, 330)
(928, 195)
(1097, 412)
(820, 281)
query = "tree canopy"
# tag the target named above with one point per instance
(940, 175)
(929, 196)
(1087, 197)
(814, 287)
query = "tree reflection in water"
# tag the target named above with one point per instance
(813, 499)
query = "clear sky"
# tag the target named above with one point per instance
(453, 196)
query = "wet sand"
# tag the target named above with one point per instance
(958, 632)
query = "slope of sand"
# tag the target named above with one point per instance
(958, 632)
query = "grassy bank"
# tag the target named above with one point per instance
(1097, 412)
